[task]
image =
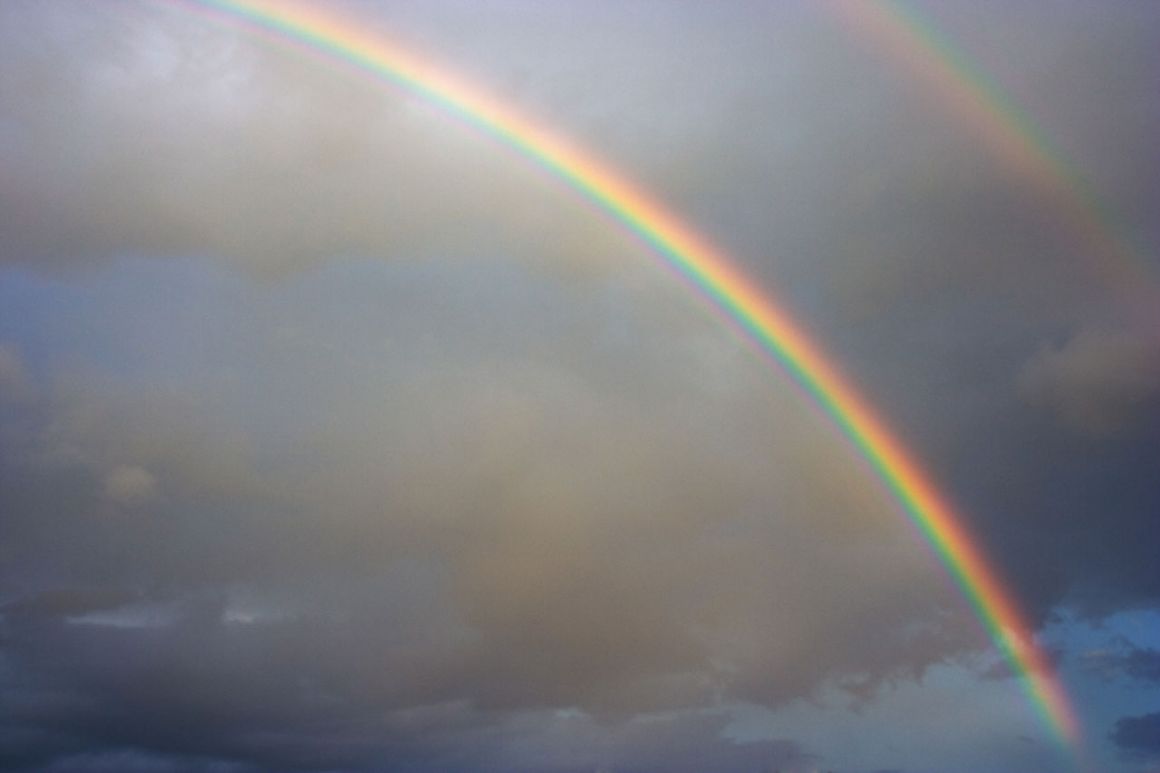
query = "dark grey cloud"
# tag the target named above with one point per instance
(1126, 660)
(14, 380)
(1138, 737)
(135, 761)
(258, 696)
(63, 602)
(296, 546)
(1142, 664)
(1097, 381)
(562, 524)
(287, 507)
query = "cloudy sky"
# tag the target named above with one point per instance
(335, 436)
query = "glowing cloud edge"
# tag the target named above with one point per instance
(741, 301)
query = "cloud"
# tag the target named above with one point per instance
(15, 383)
(1097, 382)
(411, 501)
(650, 744)
(596, 556)
(308, 693)
(1138, 737)
(301, 732)
(197, 140)
(440, 524)
(66, 602)
(1126, 660)
(134, 761)
(130, 486)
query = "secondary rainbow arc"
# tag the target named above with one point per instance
(1009, 133)
(746, 304)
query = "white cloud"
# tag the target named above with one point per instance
(197, 140)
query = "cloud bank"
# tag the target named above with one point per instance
(333, 437)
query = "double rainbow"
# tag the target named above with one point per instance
(709, 271)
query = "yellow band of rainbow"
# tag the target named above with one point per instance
(745, 303)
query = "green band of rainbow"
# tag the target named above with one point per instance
(741, 300)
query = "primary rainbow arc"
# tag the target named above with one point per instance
(742, 301)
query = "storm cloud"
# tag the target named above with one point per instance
(335, 436)
(1136, 736)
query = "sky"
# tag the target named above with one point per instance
(336, 435)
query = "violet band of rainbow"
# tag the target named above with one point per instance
(745, 304)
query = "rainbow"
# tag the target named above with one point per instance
(743, 302)
(981, 107)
